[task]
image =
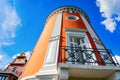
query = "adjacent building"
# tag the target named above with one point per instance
(14, 69)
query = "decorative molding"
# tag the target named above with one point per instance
(90, 30)
(51, 52)
(95, 67)
(75, 30)
(45, 77)
(30, 78)
(97, 41)
(48, 70)
(52, 77)
(50, 62)
(64, 74)
(54, 38)
(72, 17)
(70, 9)
(53, 48)
(92, 33)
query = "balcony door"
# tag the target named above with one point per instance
(79, 51)
(77, 41)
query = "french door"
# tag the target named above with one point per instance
(79, 48)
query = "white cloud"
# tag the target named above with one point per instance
(14, 56)
(28, 53)
(110, 24)
(4, 60)
(1, 57)
(9, 22)
(110, 10)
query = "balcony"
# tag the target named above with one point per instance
(83, 63)
(87, 56)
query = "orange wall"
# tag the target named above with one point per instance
(37, 58)
(73, 24)
(78, 24)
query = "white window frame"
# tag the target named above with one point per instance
(79, 34)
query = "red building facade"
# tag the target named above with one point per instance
(14, 69)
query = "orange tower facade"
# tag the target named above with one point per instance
(69, 49)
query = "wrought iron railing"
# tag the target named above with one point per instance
(78, 55)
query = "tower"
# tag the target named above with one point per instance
(14, 69)
(69, 49)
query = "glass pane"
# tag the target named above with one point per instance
(75, 39)
(6, 78)
(71, 45)
(82, 39)
(84, 47)
(14, 69)
(71, 39)
(78, 41)
(3, 78)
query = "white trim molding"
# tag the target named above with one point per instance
(50, 62)
(63, 74)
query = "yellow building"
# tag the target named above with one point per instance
(69, 49)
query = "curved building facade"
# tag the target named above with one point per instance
(69, 49)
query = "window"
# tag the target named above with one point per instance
(72, 17)
(14, 79)
(79, 48)
(0, 77)
(6, 78)
(3, 78)
(14, 69)
(77, 41)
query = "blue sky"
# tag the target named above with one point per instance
(22, 21)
